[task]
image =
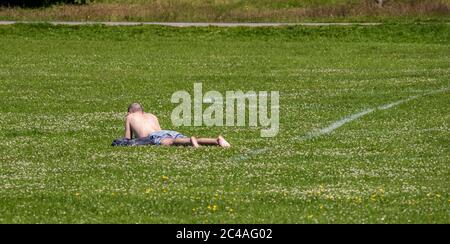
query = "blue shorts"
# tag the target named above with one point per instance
(153, 139)
(156, 137)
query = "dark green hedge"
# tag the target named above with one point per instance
(38, 3)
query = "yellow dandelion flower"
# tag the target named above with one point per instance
(213, 207)
(165, 178)
(373, 196)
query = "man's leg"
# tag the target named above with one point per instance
(180, 142)
(219, 141)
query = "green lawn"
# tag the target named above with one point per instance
(64, 92)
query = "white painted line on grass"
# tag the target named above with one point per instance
(251, 153)
(186, 24)
(352, 117)
(391, 105)
(337, 124)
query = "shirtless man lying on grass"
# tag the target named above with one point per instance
(147, 131)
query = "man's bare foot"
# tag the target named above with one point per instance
(194, 142)
(222, 142)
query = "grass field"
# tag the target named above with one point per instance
(64, 92)
(239, 11)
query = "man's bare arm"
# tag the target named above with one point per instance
(156, 121)
(128, 132)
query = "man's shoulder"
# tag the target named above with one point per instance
(141, 115)
(151, 115)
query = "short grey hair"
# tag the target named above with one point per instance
(135, 107)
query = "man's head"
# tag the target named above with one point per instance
(135, 107)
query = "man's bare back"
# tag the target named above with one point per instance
(141, 124)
